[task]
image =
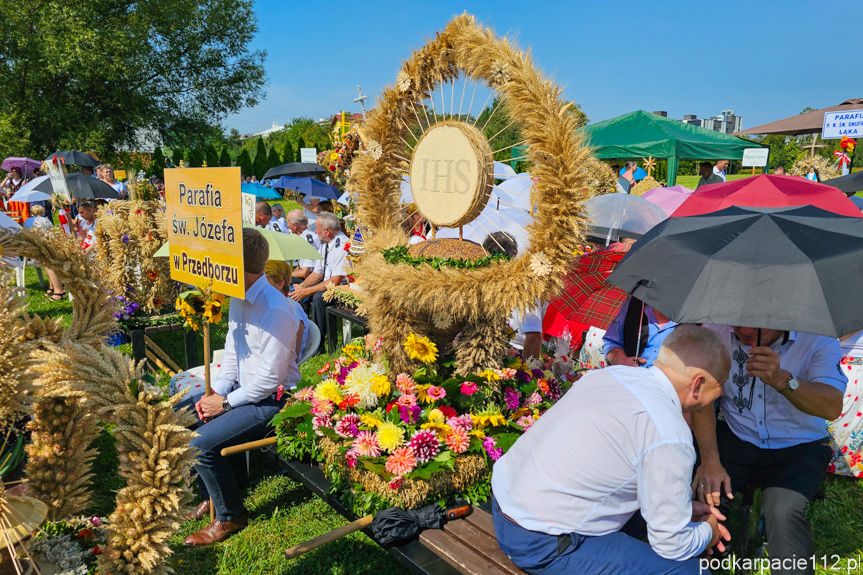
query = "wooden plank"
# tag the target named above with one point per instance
(158, 363)
(482, 520)
(161, 354)
(481, 543)
(463, 558)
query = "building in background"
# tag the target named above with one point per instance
(727, 122)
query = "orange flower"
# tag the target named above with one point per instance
(152, 275)
(157, 302)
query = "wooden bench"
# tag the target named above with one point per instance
(467, 546)
(335, 313)
(145, 348)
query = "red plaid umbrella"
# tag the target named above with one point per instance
(587, 298)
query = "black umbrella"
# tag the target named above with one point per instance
(82, 187)
(848, 184)
(787, 269)
(75, 158)
(297, 169)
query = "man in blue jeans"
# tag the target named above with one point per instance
(615, 445)
(265, 335)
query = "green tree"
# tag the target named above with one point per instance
(259, 167)
(172, 68)
(273, 158)
(157, 163)
(288, 155)
(196, 158)
(245, 163)
(301, 143)
(178, 156)
(211, 156)
(225, 158)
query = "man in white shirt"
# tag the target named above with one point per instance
(719, 169)
(265, 335)
(772, 433)
(566, 493)
(332, 270)
(298, 224)
(264, 217)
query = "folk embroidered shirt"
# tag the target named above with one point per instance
(615, 443)
(261, 347)
(763, 416)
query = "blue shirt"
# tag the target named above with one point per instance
(764, 417)
(613, 338)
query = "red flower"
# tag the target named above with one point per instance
(324, 369)
(332, 168)
(85, 533)
(96, 550)
(447, 411)
(137, 212)
(390, 406)
(348, 247)
(349, 401)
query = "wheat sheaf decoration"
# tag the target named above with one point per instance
(424, 99)
(79, 380)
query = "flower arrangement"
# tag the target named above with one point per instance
(411, 439)
(72, 546)
(200, 305)
(129, 308)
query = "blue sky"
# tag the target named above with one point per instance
(765, 60)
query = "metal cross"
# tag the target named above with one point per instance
(362, 100)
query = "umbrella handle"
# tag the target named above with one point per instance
(333, 535)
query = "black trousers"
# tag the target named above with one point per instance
(319, 315)
(788, 478)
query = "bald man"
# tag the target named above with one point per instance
(567, 495)
(264, 217)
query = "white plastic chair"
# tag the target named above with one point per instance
(312, 343)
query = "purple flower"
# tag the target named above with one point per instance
(537, 373)
(95, 521)
(522, 376)
(410, 414)
(554, 390)
(511, 398)
(125, 239)
(489, 444)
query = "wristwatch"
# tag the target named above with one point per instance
(226, 405)
(791, 386)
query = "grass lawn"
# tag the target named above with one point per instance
(283, 513)
(692, 181)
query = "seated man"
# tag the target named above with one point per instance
(773, 435)
(298, 224)
(261, 350)
(616, 444)
(626, 337)
(264, 217)
(329, 271)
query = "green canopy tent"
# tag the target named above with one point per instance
(641, 134)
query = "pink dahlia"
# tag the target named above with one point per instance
(458, 440)
(349, 426)
(407, 400)
(511, 397)
(402, 461)
(525, 422)
(469, 388)
(533, 399)
(506, 373)
(463, 421)
(366, 444)
(322, 407)
(405, 383)
(425, 445)
(305, 394)
(436, 392)
(396, 482)
(351, 458)
(321, 421)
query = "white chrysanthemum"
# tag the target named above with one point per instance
(540, 265)
(359, 381)
(374, 149)
(403, 81)
(442, 322)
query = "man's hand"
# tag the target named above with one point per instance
(763, 363)
(300, 293)
(710, 478)
(618, 357)
(210, 406)
(720, 535)
(703, 511)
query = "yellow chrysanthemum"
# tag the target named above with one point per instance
(490, 375)
(420, 348)
(370, 420)
(440, 429)
(436, 416)
(390, 436)
(483, 420)
(330, 390)
(478, 433)
(381, 385)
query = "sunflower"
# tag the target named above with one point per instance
(420, 348)
(487, 419)
(213, 311)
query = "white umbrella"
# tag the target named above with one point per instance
(621, 215)
(27, 193)
(8, 223)
(514, 193)
(513, 222)
(503, 171)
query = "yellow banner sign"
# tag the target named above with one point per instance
(205, 227)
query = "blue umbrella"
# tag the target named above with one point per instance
(639, 174)
(262, 192)
(308, 187)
